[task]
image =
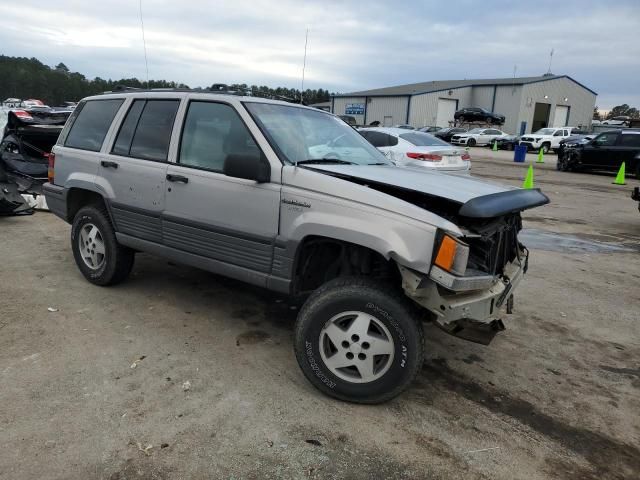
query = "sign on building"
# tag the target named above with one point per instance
(354, 109)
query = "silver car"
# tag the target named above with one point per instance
(292, 199)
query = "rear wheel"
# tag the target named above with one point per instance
(359, 340)
(98, 255)
(471, 142)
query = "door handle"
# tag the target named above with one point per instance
(177, 178)
(108, 164)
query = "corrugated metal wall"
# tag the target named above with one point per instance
(482, 97)
(380, 107)
(340, 104)
(516, 103)
(424, 108)
(581, 102)
(508, 104)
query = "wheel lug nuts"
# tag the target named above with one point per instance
(355, 337)
(350, 355)
(362, 356)
(345, 344)
(365, 345)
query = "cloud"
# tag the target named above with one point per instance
(352, 45)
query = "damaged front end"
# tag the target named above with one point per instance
(24, 156)
(467, 301)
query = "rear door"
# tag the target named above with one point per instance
(627, 150)
(229, 220)
(133, 173)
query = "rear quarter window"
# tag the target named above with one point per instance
(92, 123)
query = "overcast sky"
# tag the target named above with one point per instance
(353, 45)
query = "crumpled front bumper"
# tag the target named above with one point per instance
(472, 312)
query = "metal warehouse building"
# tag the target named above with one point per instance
(528, 103)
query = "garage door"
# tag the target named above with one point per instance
(446, 109)
(560, 117)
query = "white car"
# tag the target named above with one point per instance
(477, 136)
(408, 148)
(547, 139)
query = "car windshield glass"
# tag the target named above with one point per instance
(299, 134)
(423, 139)
(476, 130)
(545, 131)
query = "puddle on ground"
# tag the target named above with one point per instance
(567, 243)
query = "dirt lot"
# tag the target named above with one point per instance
(555, 396)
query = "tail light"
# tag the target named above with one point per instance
(52, 163)
(466, 156)
(22, 114)
(427, 157)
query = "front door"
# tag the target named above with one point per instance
(230, 220)
(597, 153)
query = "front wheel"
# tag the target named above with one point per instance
(471, 142)
(545, 148)
(359, 340)
(98, 255)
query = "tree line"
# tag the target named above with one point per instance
(23, 78)
(623, 110)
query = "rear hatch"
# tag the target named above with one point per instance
(446, 158)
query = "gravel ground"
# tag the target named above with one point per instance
(178, 373)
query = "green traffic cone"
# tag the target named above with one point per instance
(528, 180)
(620, 176)
(495, 146)
(540, 156)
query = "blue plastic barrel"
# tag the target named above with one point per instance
(520, 153)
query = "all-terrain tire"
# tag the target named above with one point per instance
(116, 262)
(388, 310)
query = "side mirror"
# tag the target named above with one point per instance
(248, 166)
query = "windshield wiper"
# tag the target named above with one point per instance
(324, 160)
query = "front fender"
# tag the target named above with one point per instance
(406, 241)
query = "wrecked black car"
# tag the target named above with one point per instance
(27, 140)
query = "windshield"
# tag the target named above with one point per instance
(476, 130)
(299, 134)
(546, 131)
(420, 139)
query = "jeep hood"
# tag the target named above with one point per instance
(473, 197)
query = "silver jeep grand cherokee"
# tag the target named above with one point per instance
(294, 200)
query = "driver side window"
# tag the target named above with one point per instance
(212, 132)
(606, 139)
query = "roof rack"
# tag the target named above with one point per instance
(218, 88)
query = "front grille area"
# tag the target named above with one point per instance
(528, 139)
(496, 247)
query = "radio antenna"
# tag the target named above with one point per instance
(550, 60)
(144, 44)
(304, 63)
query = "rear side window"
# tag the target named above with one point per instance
(146, 130)
(630, 140)
(92, 124)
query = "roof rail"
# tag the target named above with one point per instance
(218, 88)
